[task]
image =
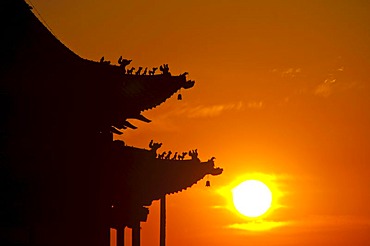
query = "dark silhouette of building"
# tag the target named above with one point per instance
(63, 180)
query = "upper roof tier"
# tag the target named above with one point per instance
(36, 63)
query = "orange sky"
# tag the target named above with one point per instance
(282, 89)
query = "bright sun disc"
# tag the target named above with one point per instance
(252, 198)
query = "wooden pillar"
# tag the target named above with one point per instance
(121, 236)
(136, 234)
(163, 222)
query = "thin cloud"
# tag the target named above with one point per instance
(326, 88)
(210, 111)
(321, 223)
(309, 224)
(288, 73)
(165, 121)
(291, 72)
(255, 104)
(258, 225)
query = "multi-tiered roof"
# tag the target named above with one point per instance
(61, 172)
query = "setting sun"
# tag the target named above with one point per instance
(252, 198)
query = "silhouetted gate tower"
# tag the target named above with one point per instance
(64, 181)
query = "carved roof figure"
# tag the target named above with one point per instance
(123, 63)
(165, 69)
(152, 72)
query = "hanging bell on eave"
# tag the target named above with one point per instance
(179, 97)
(208, 183)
